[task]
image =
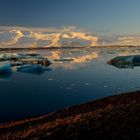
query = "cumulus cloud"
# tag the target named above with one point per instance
(129, 40)
(54, 35)
(15, 38)
(59, 37)
(119, 40)
(85, 36)
(51, 33)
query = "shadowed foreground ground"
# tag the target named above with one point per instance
(115, 117)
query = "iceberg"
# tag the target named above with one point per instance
(9, 56)
(125, 61)
(31, 69)
(20, 59)
(5, 67)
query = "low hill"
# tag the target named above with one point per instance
(114, 117)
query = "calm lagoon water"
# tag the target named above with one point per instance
(86, 78)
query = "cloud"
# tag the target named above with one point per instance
(15, 38)
(51, 33)
(81, 35)
(59, 37)
(104, 31)
(119, 40)
(36, 29)
(54, 35)
(129, 40)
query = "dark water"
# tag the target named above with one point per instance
(87, 78)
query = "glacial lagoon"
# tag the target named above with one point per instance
(75, 76)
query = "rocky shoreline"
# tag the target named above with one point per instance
(115, 117)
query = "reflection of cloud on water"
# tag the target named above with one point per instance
(66, 66)
(55, 55)
(83, 59)
(129, 51)
(73, 61)
(32, 52)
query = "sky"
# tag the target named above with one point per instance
(98, 16)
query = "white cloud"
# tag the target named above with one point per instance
(14, 39)
(129, 40)
(55, 35)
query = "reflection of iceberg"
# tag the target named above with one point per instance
(15, 56)
(5, 76)
(5, 67)
(47, 69)
(9, 56)
(31, 69)
(64, 59)
(125, 61)
(16, 63)
(33, 54)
